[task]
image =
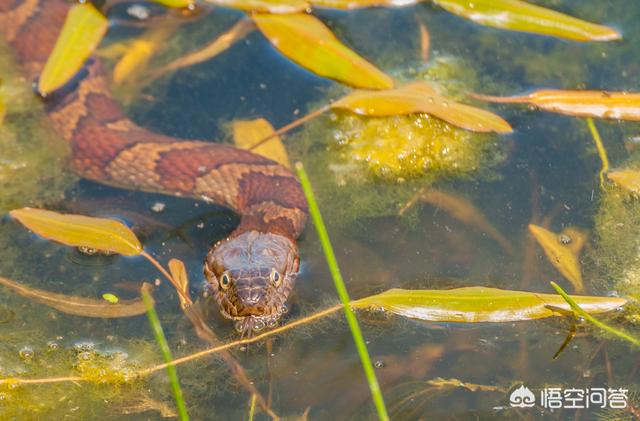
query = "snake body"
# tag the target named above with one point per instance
(251, 273)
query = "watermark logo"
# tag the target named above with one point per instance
(522, 397)
(571, 398)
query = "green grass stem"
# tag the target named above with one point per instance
(580, 312)
(343, 294)
(166, 354)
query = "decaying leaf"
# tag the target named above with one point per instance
(563, 251)
(440, 383)
(307, 41)
(524, 17)
(420, 97)
(239, 31)
(78, 306)
(265, 6)
(83, 30)
(247, 133)
(479, 304)
(599, 104)
(80, 231)
(179, 274)
(628, 179)
(466, 212)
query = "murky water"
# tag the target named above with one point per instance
(548, 168)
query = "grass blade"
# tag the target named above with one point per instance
(166, 354)
(343, 294)
(580, 312)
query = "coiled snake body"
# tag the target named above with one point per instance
(252, 272)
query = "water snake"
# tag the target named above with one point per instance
(251, 272)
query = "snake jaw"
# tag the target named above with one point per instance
(240, 275)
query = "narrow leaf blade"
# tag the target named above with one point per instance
(479, 304)
(265, 6)
(524, 17)
(80, 231)
(598, 104)
(307, 41)
(81, 33)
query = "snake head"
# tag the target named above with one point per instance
(251, 276)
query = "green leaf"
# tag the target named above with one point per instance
(521, 16)
(308, 42)
(479, 304)
(80, 231)
(83, 30)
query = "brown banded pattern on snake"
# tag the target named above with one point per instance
(252, 272)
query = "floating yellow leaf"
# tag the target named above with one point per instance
(419, 97)
(600, 104)
(3, 111)
(78, 306)
(248, 133)
(308, 42)
(628, 179)
(359, 4)
(80, 231)
(521, 16)
(265, 6)
(81, 33)
(176, 4)
(563, 251)
(239, 31)
(479, 304)
(179, 274)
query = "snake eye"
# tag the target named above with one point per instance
(276, 278)
(225, 281)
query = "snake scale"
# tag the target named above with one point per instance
(250, 273)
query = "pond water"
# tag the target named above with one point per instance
(545, 172)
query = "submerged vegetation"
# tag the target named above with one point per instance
(397, 163)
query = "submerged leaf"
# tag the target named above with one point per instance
(135, 60)
(308, 42)
(466, 212)
(179, 275)
(479, 304)
(247, 133)
(628, 179)
(239, 31)
(81, 33)
(524, 17)
(78, 306)
(80, 231)
(599, 104)
(563, 251)
(419, 97)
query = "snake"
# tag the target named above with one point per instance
(250, 274)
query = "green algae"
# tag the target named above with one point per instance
(376, 164)
(33, 161)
